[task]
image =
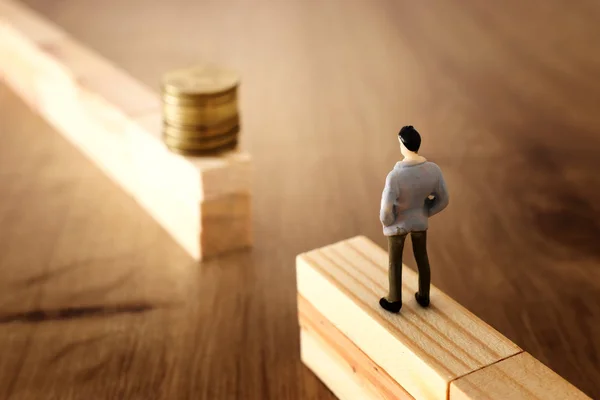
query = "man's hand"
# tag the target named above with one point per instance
(387, 216)
(388, 197)
(429, 201)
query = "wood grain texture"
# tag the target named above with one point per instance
(95, 105)
(422, 350)
(519, 377)
(342, 366)
(504, 94)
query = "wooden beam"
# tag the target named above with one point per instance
(342, 366)
(443, 352)
(203, 202)
(520, 377)
(423, 350)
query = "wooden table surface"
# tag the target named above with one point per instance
(97, 302)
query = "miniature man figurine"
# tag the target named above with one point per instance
(414, 191)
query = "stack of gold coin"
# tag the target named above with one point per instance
(200, 112)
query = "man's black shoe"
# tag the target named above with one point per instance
(423, 301)
(393, 306)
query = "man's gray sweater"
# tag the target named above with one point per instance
(406, 204)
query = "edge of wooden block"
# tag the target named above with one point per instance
(69, 68)
(422, 349)
(336, 302)
(519, 377)
(212, 176)
(371, 336)
(325, 349)
(66, 83)
(37, 28)
(226, 224)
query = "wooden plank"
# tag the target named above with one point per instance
(204, 203)
(421, 349)
(33, 26)
(346, 370)
(115, 121)
(200, 178)
(520, 377)
(59, 55)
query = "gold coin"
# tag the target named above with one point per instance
(192, 110)
(190, 133)
(210, 100)
(199, 153)
(199, 116)
(199, 145)
(194, 122)
(199, 142)
(199, 80)
(224, 125)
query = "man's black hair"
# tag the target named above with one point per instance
(410, 138)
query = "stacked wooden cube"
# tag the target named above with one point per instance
(204, 203)
(443, 352)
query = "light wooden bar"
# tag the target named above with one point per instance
(421, 349)
(342, 366)
(203, 202)
(433, 353)
(520, 377)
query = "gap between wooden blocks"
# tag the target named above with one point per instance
(443, 352)
(204, 203)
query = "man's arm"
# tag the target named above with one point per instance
(441, 198)
(389, 196)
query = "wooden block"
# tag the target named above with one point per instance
(346, 370)
(423, 350)
(226, 224)
(85, 118)
(97, 75)
(36, 28)
(61, 56)
(203, 228)
(204, 203)
(520, 377)
(201, 178)
(116, 122)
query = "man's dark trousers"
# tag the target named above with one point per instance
(396, 247)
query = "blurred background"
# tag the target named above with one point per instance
(506, 96)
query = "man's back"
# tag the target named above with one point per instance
(414, 191)
(404, 205)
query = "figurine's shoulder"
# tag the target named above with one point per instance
(397, 170)
(432, 166)
(393, 175)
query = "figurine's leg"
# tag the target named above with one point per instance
(395, 247)
(419, 242)
(393, 302)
